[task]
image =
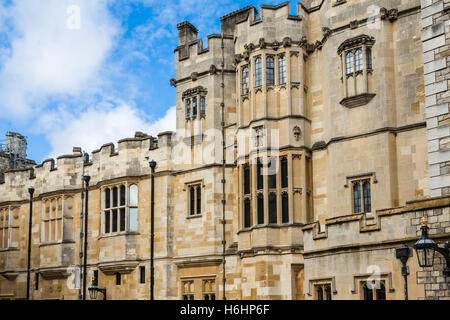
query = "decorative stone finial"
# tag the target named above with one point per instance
(423, 222)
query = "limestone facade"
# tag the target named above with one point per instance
(436, 50)
(305, 136)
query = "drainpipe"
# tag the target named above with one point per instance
(31, 192)
(80, 290)
(152, 231)
(86, 180)
(224, 279)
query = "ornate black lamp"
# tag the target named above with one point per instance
(403, 254)
(426, 248)
(94, 290)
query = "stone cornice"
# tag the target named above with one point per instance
(322, 145)
(356, 42)
(272, 226)
(357, 101)
(10, 275)
(54, 273)
(292, 116)
(270, 250)
(359, 247)
(375, 225)
(199, 90)
(197, 261)
(110, 268)
(196, 75)
(392, 15)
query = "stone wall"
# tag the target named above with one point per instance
(436, 48)
(382, 140)
(437, 285)
(355, 249)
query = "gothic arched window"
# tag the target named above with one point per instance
(270, 71)
(260, 209)
(188, 108)
(245, 80)
(368, 292)
(285, 208)
(356, 197)
(282, 69)
(273, 208)
(350, 62)
(247, 218)
(202, 106)
(366, 194)
(369, 58)
(358, 60)
(258, 72)
(194, 106)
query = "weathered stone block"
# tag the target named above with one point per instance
(435, 65)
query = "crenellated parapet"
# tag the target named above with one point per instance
(208, 61)
(128, 159)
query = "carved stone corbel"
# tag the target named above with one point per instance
(287, 42)
(383, 13)
(393, 15)
(238, 58)
(303, 41)
(318, 45)
(354, 24)
(310, 48)
(276, 45)
(262, 43)
(326, 32)
(212, 69)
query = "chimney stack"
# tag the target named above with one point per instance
(186, 33)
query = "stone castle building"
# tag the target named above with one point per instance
(336, 144)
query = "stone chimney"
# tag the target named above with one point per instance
(186, 33)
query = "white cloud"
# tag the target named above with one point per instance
(48, 54)
(98, 125)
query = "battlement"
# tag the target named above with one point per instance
(194, 47)
(193, 60)
(191, 47)
(127, 160)
(250, 14)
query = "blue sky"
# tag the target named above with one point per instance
(84, 73)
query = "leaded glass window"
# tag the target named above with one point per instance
(282, 69)
(270, 71)
(245, 80)
(350, 60)
(258, 72)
